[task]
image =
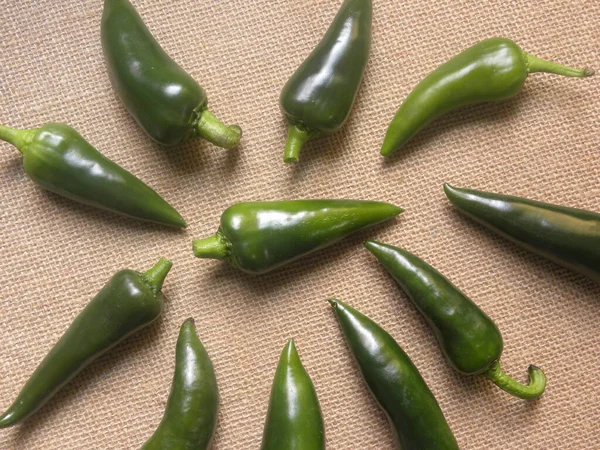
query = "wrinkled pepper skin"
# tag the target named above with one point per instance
(470, 340)
(318, 97)
(191, 415)
(568, 236)
(127, 303)
(294, 420)
(258, 237)
(60, 160)
(165, 101)
(489, 71)
(413, 412)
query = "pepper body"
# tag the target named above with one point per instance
(318, 97)
(294, 420)
(60, 160)
(191, 414)
(257, 237)
(413, 412)
(166, 102)
(490, 71)
(567, 236)
(127, 303)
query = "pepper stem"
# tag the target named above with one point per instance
(535, 64)
(296, 139)
(18, 138)
(531, 391)
(156, 276)
(215, 131)
(215, 247)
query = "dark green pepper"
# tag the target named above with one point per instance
(60, 160)
(318, 97)
(294, 420)
(127, 303)
(257, 237)
(413, 412)
(191, 414)
(468, 337)
(568, 236)
(167, 103)
(490, 71)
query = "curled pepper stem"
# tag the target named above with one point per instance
(215, 247)
(531, 391)
(535, 64)
(296, 139)
(18, 138)
(215, 131)
(156, 276)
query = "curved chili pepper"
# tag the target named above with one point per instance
(257, 237)
(191, 414)
(318, 97)
(127, 303)
(294, 420)
(489, 71)
(413, 412)
(165, 101)
(468, 337)
(568, 236)
(60, 160)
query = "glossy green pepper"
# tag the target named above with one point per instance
(492, 70)
(257, 237)
(468, 337)
(568, 236)
(60, 160)
(318, 97)
(127, 303)
(413, 412)
(165, 101)
(191, 414)
(294, 420)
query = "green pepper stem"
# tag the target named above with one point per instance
(535, 64)
(215, 247)
(531, 391)
(215, 131)
(156, 276)
(296, 139)
(18, 138)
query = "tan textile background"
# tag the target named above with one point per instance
(57, 254)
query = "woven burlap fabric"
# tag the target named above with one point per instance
(57, 254)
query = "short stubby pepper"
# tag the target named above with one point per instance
(492, 70)
(59, 159)
(468, 337)
(191, 414)
(165, 101)
(568, 236)
(257, 237)
(294, 420)
(128, 302)
(318, 97)
(413, 412)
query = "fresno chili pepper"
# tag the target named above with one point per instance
(257, 237)
(191, 414)
(413, 412)
(489, 71)
(468, 337)
(127, 303)
(568, 236)
(60, 160)
(165, 101)
(318, 97)
(294, 420)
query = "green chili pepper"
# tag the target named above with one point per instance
(415, 416)
(490, 71)
(60, 160)
(294, 420)
(127, 303)
(568, 236)
(257, 237)
(468, 337)
(191, 414)
(317, 99)
(167, 103)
